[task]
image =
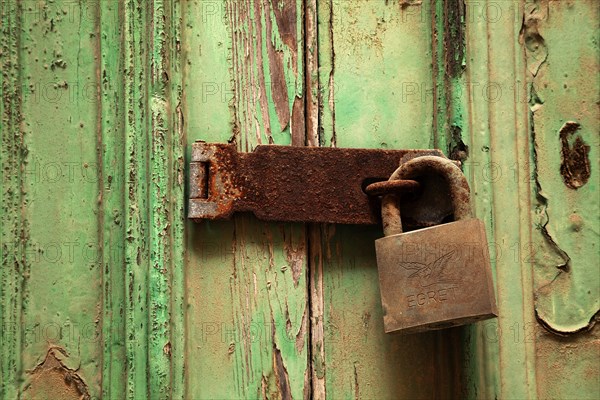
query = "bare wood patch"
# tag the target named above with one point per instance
(54, 380)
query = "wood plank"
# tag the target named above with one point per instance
(481, 341)
(61, 272)
(498, 136)
(113, 188)
(564, 252)
(142, 177)
(377, 91)
(13, 224)
(246, 287)
(520, 167)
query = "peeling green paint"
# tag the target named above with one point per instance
(100, 103)
(377, 87)
(567, 284)
(246, 287)
(14, 229)
(113, 197)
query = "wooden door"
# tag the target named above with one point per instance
(109, 292)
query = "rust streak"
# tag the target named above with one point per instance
(356, 385)
(454, 37)
(575, 164)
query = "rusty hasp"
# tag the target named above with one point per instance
(304, 184)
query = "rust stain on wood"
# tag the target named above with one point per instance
(454, 37)
(575, 165)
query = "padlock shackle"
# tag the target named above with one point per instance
(460, 193)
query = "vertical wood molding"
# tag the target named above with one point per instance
(113, 180)
(246, 281)
(14, 234)
(143, 196)
(499, 141)
(177, 217)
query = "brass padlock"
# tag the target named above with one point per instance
(436, 277)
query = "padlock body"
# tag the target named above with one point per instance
(436, 277)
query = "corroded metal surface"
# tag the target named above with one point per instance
(458, 193)
(401, 187)
(436, 277)
(281, 183)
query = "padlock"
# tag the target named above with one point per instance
(439, 276)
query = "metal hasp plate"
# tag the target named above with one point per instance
(305, 184)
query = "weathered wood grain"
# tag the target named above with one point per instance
(246, 283)
(376, 87)
(107, 292)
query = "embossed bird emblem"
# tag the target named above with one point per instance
(436, 272)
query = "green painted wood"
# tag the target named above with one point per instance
(377, 88)
(143, 177)
(14, 234)
(567, 284)
(564, 255)
(515, 170)
(481, 341)
(246, 287)
(113, 195)
(499, 138)
(177, 187)
(93, 175)
(50, 112)
(107, 292)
